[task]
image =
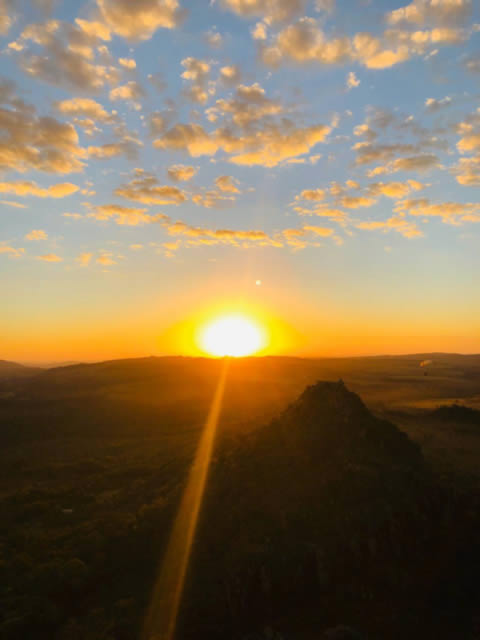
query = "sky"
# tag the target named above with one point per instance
(314, 164)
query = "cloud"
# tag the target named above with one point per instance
(84, 259)
(230, 75)
(140, 19)
(6, 16)
(83, 107)
(469, 143)
(66, 56)
(12, 252)
(123, 215)
(395, 223)
(472, 64)
(213, 198)
(32, 189)
(36, 234)
(299, 239)
(181, 173)
(128, 146)
(352, 80)
(248, 104)
(367, 153)
(129, 91)
(437, 12)
(394, 189)
(324, 232)
(450, 212)
(468, 171)
(28, 141)
(226, 184)
(94, 29)
(422, 162)
(74, 216)
(188, 137)
(305, 42)
(433, 105)
(272, 10)
(105, 260)
(259, 31)
(145, 188)
(267, 147)
(10, 203)
(157, 123)
(214, 39)
(50, 257)
(202, 235)
(196, 72)
(355, 202)
(311, 194)
(127, 63)
(323, 211)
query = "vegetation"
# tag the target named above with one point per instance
(316, 516)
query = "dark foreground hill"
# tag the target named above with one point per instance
(327, 515)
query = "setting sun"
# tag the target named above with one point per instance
(233, 335)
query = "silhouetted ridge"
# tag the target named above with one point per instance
(324, 487)
(330, 423)
(457, 413)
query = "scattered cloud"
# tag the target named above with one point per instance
(29, 141)
(197, 73)
(36, 234)
(226, 184)
(85, 107)
(267, 147)
(84, 259)
(352, 80)
(139, 20)
(398, 224)
(105, 260)
(127, 63)
(181, 172)
(144, 188)
(432, 104)
(129, 91)
(33, 189)
(50, 257)
(11, 203)
(271, 10)
(11, 252)
(124, 216)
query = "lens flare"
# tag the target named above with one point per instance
(233, 335)
(162, 614)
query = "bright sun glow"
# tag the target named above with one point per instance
(232, 335)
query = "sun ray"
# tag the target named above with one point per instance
(163, 611)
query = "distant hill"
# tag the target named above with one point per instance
(10, 370)
(457, 413)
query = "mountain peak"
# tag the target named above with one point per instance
(329, 422)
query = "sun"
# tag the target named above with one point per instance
(232, 335)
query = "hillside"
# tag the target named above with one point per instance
(319, 511)
(12, 370)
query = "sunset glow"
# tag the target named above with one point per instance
(233, 335)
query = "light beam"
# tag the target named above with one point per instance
(163, 611)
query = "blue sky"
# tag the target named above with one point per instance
(158, 158)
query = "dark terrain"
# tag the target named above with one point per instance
(315, 515)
